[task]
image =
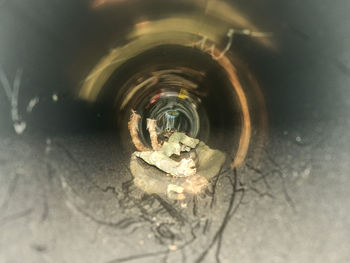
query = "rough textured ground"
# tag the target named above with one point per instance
(72, 200)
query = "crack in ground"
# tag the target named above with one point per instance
(229, 213)
(284, 188)
(169, 208)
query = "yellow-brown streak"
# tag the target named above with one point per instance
(134, 131)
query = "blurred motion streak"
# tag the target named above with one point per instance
(212, 34)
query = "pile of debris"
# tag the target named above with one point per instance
(178, 167)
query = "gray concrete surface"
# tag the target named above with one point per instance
(72, 201)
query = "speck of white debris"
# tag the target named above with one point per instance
(149, 236)
(172, 247)
(142, 242)
(246, 31)
(298, 139)
(54, 97)
(154, 219)
(183, 205)
(32, 103)
(48, 146)
(19, 127)
(306, 173)
(175, 188)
